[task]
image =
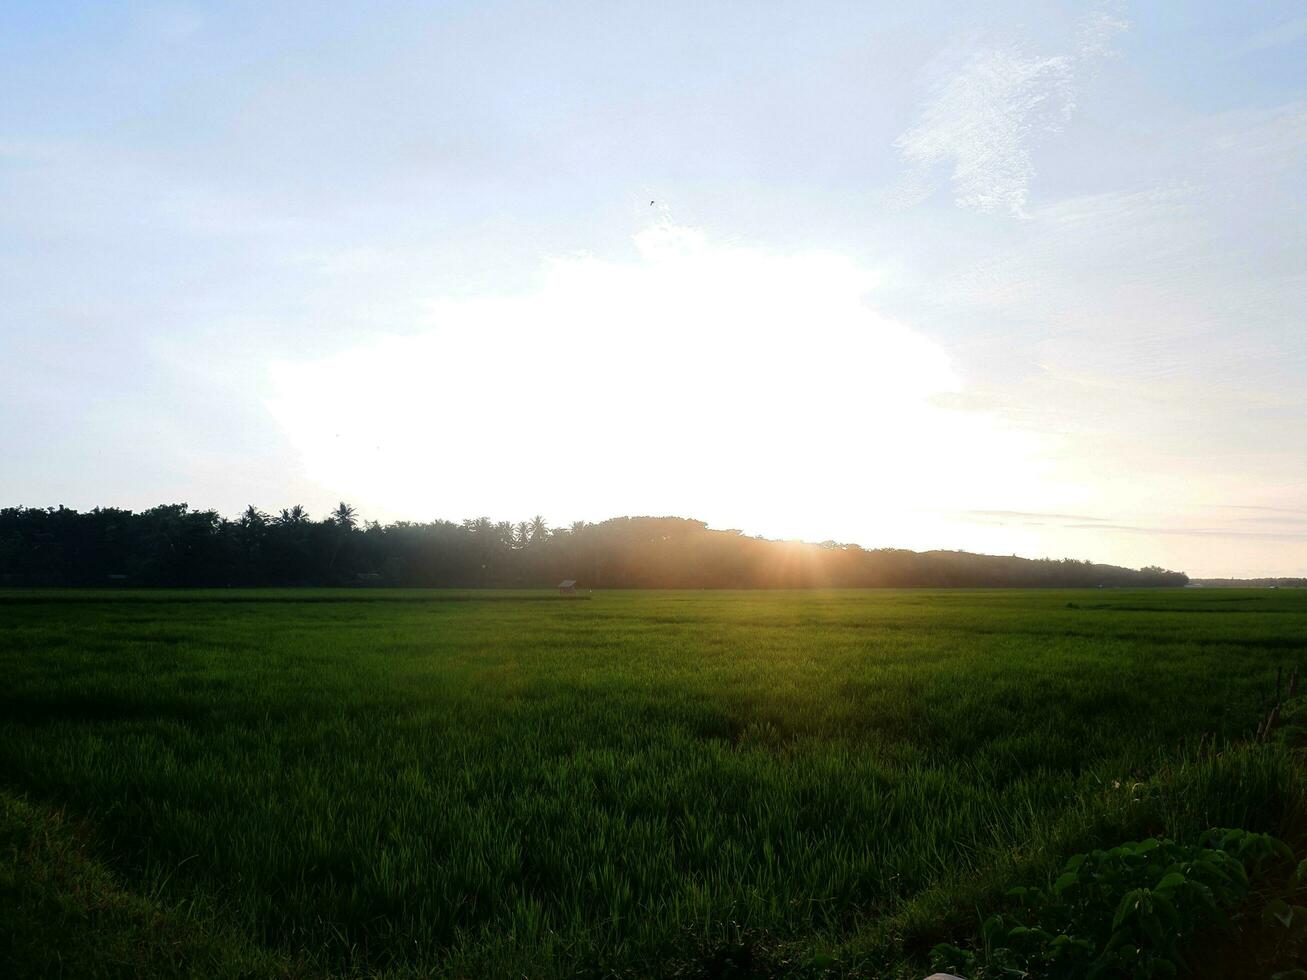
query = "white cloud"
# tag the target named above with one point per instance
(1096, 35)
(989, 104)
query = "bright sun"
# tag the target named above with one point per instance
(717, 381)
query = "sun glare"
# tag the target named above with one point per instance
(720, 381)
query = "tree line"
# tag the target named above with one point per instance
(175, 545)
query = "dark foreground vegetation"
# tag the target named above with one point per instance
(838, 783)
(173, 545)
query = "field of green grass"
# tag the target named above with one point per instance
(358, 783)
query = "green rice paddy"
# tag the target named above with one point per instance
(406, 783)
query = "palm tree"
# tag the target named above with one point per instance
(522, 534)
(253, 518)
(295, 515)
(345, 516)
(251, 531)
(539, 529)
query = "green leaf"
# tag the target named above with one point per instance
(947, 957)
(1152, 926)
(1065, 882)
(1166, 911)
(1300, 874)
(1129, 903)
(1278, 910)
(992, 931)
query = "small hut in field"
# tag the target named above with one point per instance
(567, 587)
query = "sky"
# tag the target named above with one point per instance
(1021, 277)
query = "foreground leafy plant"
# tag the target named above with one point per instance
(1128, 911)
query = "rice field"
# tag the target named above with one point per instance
(408, 783)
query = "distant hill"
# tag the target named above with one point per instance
(174, 545)
(1251, 583)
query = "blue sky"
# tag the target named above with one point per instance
(1027, 278)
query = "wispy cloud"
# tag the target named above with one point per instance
(1283, 525)
(171, 22)
(1026, 514)
(1197, 532)
(1274, 510)
(990, 102)
(1279, 36)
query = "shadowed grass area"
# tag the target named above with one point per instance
(65, 915)
(642, 783)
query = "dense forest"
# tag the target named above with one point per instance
(174, 545)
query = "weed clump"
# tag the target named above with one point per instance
(1130, 911)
